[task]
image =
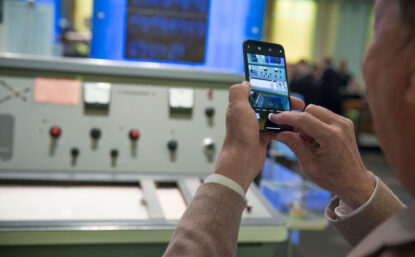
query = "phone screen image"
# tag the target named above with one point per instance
(266, 71)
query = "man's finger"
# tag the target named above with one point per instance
(321, 113)
(304, 121)
(296, 144)
(240, 92)
(296, 103)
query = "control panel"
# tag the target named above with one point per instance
(96, 153)
(82, 122)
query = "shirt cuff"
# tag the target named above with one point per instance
(227, 182)
(344, 211)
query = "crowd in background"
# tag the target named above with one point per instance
(325, 85)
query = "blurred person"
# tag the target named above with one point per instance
(347, 84)
(344, 76)
(364, 210)
(330, 93)
(305, 82)
(343, 73)
(301, 69)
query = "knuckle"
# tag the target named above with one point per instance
(230, 113)
(347, 124)
(335, 132)
(310, 108)
(306, 116)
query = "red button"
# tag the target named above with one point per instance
(55, 131)
(134, 134)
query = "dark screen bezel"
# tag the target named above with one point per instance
(264, 51)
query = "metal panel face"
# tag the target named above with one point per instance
(140, 107)
(66, 141)
(6, 136)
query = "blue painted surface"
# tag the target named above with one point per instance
(108, 29)
(277, 172)
(281, 186)
(229, 23)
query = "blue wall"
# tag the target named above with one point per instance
(108, 29)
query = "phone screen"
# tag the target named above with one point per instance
(266, 71)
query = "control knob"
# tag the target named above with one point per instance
(95, 133)
(134, 134)
(209, 145)
(172, 145)
(210, 111)
(114, 153)
(74, 152)
(55, 131)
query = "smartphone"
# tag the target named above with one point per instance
(265, 69)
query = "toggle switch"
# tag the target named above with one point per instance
(74, 154)
(134, 134)
(209, 148)
(55, 132)
(95, 133)
(172, 145)
(114, 154)
(209, 144)
(210, 112)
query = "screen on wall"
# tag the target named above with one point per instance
(166, 30)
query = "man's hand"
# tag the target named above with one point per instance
(244, 148)
(335, 163)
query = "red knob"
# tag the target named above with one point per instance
(55, 131)
(134, 134)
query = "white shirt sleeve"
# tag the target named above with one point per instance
(343, 211)
(227, 182)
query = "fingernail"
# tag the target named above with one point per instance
(273, 116)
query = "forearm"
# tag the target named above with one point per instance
(210, 225)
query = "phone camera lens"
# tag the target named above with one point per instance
(270, 49)
(259, 48)
(280, 51)
(249, 46)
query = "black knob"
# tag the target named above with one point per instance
(209, 144)
(95, 133)
(74, 152)
(172, 145)
(114, 153)
(210, 147)
(210, 111)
